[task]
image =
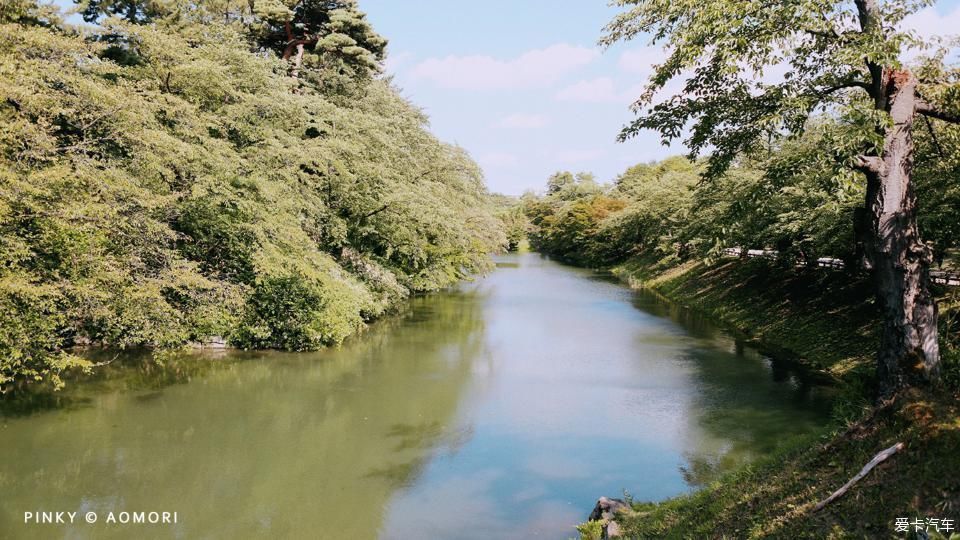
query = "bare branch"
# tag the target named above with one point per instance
(928, 109)
(871, 164)
(832, 34)
(933, 136)
(868, 13)
(841, 86)
(375, 212)
(877, 459)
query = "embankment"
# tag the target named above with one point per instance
(826, 321)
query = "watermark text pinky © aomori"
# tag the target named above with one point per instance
(122, 518)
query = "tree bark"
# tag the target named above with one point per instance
(131, 14)
(909, 351)
(297, 61)
(293, 50)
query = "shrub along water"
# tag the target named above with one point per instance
(174, 174)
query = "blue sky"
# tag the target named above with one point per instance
(523, 86)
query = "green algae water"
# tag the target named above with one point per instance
(501, 409)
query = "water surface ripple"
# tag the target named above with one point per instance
(500, 409)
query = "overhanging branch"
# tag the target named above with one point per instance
(844, 85)
(375, 212)
(928, 109)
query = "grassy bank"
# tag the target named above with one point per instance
(822, 319)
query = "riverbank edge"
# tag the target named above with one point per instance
(821, 321)
(200, 349)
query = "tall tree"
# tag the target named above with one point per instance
(837, 54)
(160, 184)
(134, 11)
(335, 31)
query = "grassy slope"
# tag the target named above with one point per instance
(822, 319)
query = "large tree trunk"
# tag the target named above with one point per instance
(909, 351)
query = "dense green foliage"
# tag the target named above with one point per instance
(565, 222)
(751, 75)
(818, 141)
(829, 55)
(167, 182)
(513, 220)
(792, 197)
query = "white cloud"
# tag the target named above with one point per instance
(574, 157)
(498, 160)
(535, 68)
(928, 22)
(522, 121)
(599, 90)
(396, 60)
(641, 61)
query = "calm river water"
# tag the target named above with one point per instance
(501, 409)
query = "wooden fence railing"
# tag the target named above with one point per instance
(938, 276)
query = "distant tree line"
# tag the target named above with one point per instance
(787, 157)
(791, 196)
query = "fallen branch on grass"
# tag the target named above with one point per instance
(884, 406)
(877, 459)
